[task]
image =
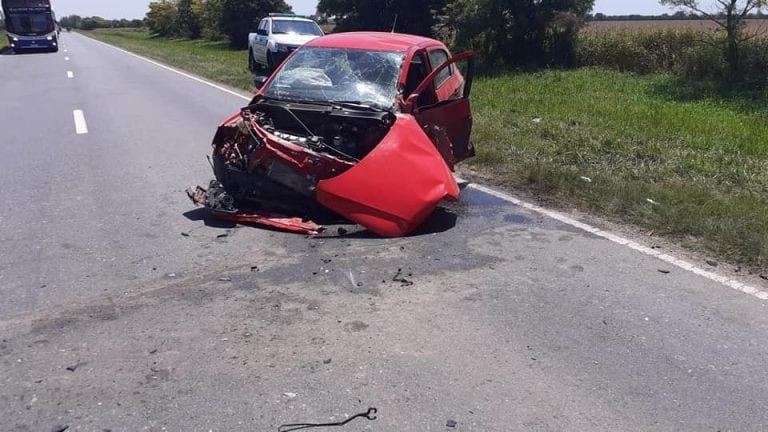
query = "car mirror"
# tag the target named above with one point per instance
(262, 32)
(259, 81)
(410, 103)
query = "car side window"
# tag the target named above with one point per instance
(436, 58)
(263, 24)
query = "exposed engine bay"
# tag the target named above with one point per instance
(275, 152)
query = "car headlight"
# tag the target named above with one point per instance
(282, 48)
(15, 39)
(50, 38)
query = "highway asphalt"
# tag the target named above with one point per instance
(124, 309)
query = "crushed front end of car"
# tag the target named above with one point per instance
(320, 141)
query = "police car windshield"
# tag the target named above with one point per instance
(295, 27)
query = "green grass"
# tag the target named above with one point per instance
(697, 150)
(3, 41)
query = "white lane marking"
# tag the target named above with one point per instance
(736, 285)
(70, 74)
(81, 127)
(730, 283)
(184, 74)
(66, 58)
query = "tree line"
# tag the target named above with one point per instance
(677, 16)
(517, 33)
(94, 22)
(520, 32)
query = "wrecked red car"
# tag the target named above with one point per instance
(366, 125)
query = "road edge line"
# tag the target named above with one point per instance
(177, 71)
(682, 264)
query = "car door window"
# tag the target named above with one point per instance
(436, 58)
(417, 71)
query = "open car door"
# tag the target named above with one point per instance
(399, 183)
(447, 122)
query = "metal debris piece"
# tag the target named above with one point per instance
(370, 415)
(398, 277)
(76, 366)
(221, 205)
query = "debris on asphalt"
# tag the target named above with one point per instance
(171, 275)
(76, 366)
(398, 277)
(342, 231)
(664, 271)
(153, 351)
(185, 234)
(60, 428)
(255, 268)
(370, 415)
(712, 263)
(764, 276)
(225, 279)
(327, 361)
(290, 395)
(451, 423)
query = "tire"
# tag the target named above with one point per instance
(251, 62)
(270, 62)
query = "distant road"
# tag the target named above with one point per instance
(123, 310)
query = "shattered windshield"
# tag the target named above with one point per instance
(362, 77)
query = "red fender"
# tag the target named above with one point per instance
(396, 186)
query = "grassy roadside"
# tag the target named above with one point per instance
(687, 160)
(3, 41)
(684, 159)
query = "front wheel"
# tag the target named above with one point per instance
(251, 61)
(270, 62)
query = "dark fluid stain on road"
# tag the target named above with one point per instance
(474, 203)
(516, 219)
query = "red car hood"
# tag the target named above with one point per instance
(396, 186)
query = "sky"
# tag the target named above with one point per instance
(130, 9)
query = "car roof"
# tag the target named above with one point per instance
(373, 41)
(289, 18)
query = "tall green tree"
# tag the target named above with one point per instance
(730, 16)
(404, 16)
(211, 18)
(161, 18)
(187, 21)
(516, 32)
(240, 17)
